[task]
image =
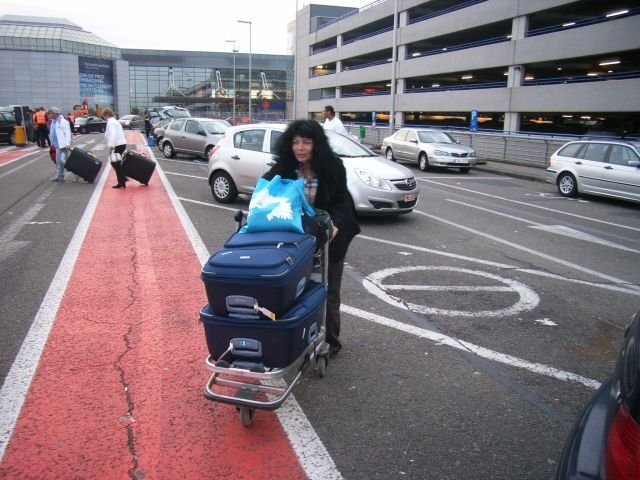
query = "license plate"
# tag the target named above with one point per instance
(410, 198)
(460, 160)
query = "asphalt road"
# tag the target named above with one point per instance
(474, 328)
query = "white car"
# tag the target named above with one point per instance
(610, 168)
(429, 148)
(376, 185)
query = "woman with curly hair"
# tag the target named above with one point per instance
(303, 151)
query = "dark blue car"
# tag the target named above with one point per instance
(604, 443)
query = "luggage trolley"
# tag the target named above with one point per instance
(243, 375)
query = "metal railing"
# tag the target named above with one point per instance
(583, 78)
(462, 46)
(520, 148)
(444, 11)
(468, 86)
(579, 23)
(353, 12)
(367, 35)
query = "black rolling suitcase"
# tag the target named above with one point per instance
(138, 167)
(83, 164)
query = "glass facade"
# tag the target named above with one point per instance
(209, 91)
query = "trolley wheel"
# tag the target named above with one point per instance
(246, 415)
(321, 366)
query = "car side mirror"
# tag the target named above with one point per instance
(634, 163)
(413, 141)
(202, 133)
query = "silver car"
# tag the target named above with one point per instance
(429, 148)
(376, 185)
(195, 136)
(132, 121)
(610, 168)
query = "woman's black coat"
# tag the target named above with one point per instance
(333, 197)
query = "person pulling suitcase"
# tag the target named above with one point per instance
(117, 144)
(60, 135)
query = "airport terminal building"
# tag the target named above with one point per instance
(53, 62)
(566, 66)
(561, 66)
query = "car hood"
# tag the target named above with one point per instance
(450, 147)
(378, 166)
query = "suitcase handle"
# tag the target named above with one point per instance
(241, 304)
(245, 348)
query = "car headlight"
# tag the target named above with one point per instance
(441, 153)
(472, 153)
(372, 180)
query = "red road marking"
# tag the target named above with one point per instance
(129, 318)
(6, 157)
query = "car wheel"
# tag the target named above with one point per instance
(168, 151)
(207, 151)
(464, 170)
(567, 185)
(102, 129)
(223, 188)
(423, 162)
(83, 129)
(389, 155)
(12, 139)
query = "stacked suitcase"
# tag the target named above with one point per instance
(261, 299)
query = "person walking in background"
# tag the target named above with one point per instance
(117, 144)
(331, 122)
(147, 126)
(72, 121)
(61, 139)
(40, 122)
(303, 151)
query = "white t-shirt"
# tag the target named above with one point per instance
(336, 125)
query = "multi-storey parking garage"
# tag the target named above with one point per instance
(570, 66)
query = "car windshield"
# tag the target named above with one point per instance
(175, 113)
(215, 127)
(345, 147)
(127, 117)
(82, 120)
(435, 137)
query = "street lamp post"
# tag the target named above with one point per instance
(248, 22)
(234, 78)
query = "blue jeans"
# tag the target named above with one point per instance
(61, 158)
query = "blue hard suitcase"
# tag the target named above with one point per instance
(265, 269)
(274, 344)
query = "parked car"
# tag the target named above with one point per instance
(132, 121)
(429, 148)
(89, 124)
(158, 130)
(196, 136)
(376, 185)
(8, 125)
(604, 443)
(610, 168)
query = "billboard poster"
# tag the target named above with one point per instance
(96, 81)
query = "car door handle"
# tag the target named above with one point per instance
(235, 157)
(578, 163)
(608, 167)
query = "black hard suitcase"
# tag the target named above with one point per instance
(138, 167)
(275, 344)
(83, 164)
(270, 269)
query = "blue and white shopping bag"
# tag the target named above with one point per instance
(277, 205)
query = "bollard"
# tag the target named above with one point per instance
(19, 136)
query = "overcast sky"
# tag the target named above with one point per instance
(199, 25)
